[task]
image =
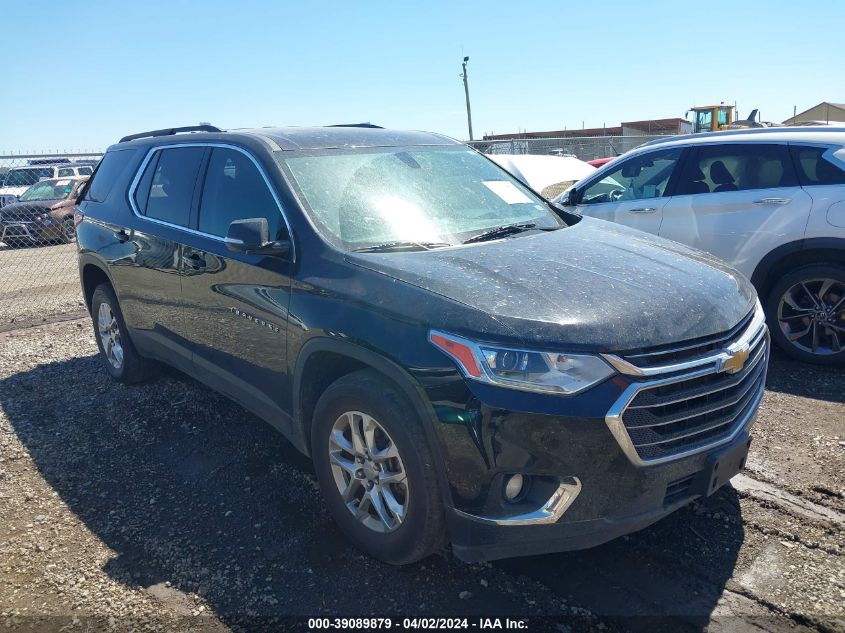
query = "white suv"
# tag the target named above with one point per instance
(771, 202)
(18, 179)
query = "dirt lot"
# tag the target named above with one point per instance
(167, 507)
(37, 281)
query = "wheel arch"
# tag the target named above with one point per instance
(323, 360)
(798, 253)
(92, 274)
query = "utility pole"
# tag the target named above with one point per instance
(466, 92)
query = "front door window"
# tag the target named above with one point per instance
(637, 178)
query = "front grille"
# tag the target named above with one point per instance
(14, 230)
(681, 410)
(674, 353)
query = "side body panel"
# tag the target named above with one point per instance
(235, 308)
(740, 227)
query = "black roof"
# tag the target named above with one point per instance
(297, 138)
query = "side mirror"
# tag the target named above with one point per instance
(568, 199)
(252, 235)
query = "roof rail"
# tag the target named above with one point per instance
(171, 131)
(369, 125)
(780, 129)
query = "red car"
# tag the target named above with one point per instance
(598, 162)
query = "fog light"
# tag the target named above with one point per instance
(513, 486)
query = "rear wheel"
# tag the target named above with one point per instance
(375, 469)
(122, 361)
(806, 311)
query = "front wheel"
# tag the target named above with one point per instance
(806, 311)
(68, 231)
(375, 469)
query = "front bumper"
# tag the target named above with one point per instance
(700, 411)
(642, 498)
(26, 231)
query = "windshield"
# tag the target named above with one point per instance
(27, 177)
(436, 196)
(48, 190)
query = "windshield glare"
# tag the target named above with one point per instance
(48, 190)
(361, 198)
(27, 177)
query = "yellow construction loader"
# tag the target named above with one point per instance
(721, 117)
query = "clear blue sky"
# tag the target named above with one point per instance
(78, 75)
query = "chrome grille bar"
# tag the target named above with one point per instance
(721, 405)
(647, 435)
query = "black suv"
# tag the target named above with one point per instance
(462, 360)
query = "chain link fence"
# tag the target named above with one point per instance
(583, 147)
(39, 278)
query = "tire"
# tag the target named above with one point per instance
(360, 398)
(810, 298)
(68, 231)
(120, 357)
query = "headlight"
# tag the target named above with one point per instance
(548, 372)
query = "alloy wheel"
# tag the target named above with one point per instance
(811, 315)
(69, 230)
(109, 332)
(368, 471)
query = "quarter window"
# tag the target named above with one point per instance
(637, 178)
(111, 167)
(235, 190)
(736, 167)
(166, 188)
(813, 168)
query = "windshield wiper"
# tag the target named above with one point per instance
(501, 231)
(400, 246)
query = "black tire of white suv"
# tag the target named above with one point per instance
(806, 313)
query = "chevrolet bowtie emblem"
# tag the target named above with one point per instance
(735, 360)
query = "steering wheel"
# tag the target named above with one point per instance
(615, 195)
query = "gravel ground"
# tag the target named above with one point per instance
(38, 281)
(167, 507)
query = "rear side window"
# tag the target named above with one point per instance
(813, 168)
(166, 188)
(235, 190)
(111, 167)
(736, 167)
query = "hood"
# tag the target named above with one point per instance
(592, 286)
(23, 210)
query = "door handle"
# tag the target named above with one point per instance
(194, 261)
(643, 210)
(773, 201)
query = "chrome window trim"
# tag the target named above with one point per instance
(747, 340)
(549, 512)
(614, 422)
(151, 152)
